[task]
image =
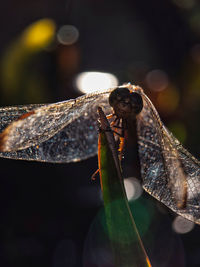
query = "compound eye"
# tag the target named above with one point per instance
(136, 102)
(118, 94)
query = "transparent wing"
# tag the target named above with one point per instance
(36, 126)
(169, 172)
(61, 132)
(10, 114)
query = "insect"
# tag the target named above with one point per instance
(68, 132)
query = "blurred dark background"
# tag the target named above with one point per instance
(49, 213)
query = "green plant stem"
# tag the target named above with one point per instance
(125, 240)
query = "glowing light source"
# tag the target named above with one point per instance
(157, 80)
(133, 188)
(181, 225)
(67, 34)
(39, 34)
(18, 55)
(88, 82)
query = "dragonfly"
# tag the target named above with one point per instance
(68, 132)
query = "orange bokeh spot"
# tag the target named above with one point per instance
(168, 100)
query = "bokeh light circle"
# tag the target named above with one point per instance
(67, 34)
(157, 80)
(133, 188)
(182, 226)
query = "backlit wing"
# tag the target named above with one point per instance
(169, 172)
(61, 132)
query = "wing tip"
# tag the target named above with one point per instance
(5, 145)
(3, 141)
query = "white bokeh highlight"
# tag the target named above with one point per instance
(133, 188)
(89, 82)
